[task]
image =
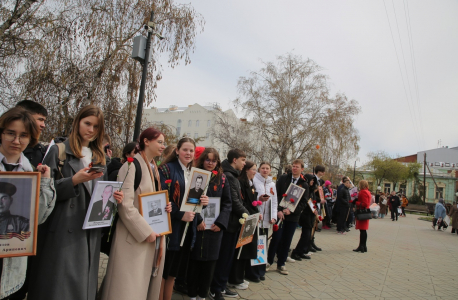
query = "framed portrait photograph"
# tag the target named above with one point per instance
(19, 193)
(211, 212)
(198, 182)
(247, 231)
(310, 205)
(292, 198)
(102, 206)
(152, 207)
(321, 193)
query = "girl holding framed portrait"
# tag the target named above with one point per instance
(18, 129)
(205, 253)
(267, 194)
(249, 251)
(137, 250)
(66, 253)
(175, 171)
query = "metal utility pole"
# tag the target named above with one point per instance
(151, 26)
(424, 180)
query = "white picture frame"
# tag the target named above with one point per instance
(100, 212)
(197, 185)
(211, 212)
(294, 192)
(261, 258)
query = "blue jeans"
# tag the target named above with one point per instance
(280, 243)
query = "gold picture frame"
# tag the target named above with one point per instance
(155, 203)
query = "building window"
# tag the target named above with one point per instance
(196, 135)
(403, 189)
(188, 134)
(387, 188)
(197, 123)
(179, 123)
(209, 123)
(207, 136)
(439, 192)
(190, 123)
(178, 131)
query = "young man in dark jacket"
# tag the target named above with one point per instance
(281, 239)
(395, 203)
(343, 196)
(36, 153)
(231, 167)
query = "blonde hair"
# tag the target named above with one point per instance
(96, 144)
(363, 185)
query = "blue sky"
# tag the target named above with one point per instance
(352, 41)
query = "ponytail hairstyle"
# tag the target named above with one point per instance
(96, 144)
(200, 162)
(173, 155)
(150, 134)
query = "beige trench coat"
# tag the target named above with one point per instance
(129, 272)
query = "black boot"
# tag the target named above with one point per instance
(359, 249)
(315, 246)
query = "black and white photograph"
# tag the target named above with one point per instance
(155, 208)
(292, 198)
(197, 183)
(102, 205)
(19, 196)
(152, 207)
(248, 229)
(211, 212)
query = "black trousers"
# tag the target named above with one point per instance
(237, 273)
(394, 213)
(199, 277)
(304, 241)
(342, 219)
(362, 238)
(255, 272)
(224, 262)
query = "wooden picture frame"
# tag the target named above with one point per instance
(18, 235)
(100, 212)
(247, 231)
(321, 193)
(294, 192)
(195, 188)
(154, 204)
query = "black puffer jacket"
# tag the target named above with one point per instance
(237, 206)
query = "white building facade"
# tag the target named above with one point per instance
(194, 121)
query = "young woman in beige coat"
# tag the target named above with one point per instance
(130, 272)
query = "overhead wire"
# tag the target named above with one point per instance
(414, 67)
(402, 75)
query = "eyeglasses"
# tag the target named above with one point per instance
(208, 161)
(11, 136)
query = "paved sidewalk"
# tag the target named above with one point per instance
(405, 260)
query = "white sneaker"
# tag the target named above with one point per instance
(309, 253)
(240, 286)
(290, 260)
(282, 270)
(246, 282)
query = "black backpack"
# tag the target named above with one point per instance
(107, 236)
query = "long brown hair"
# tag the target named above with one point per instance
(96, 144)
(19, 113)
(243, 175)
(173, 155)
(200, 162)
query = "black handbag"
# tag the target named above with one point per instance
(363, 213)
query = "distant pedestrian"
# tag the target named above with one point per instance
(343, 196)
(383, 205)
(404, 204)
(439, 215)
(454, 215)
(364, 201)
(395, 203)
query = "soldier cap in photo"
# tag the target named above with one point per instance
(7, 188)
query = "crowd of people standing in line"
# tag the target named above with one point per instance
(143, 264)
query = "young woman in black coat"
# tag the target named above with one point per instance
(208, 241)
(249, 251)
